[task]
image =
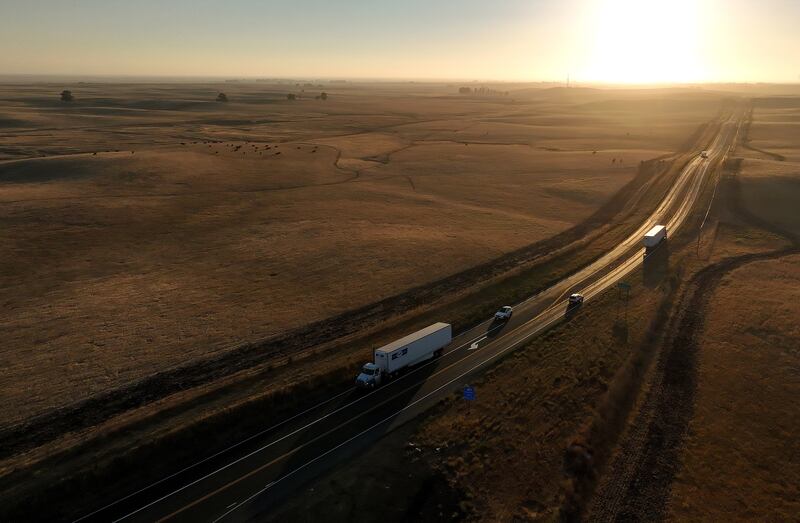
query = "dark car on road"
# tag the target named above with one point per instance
(575, 299)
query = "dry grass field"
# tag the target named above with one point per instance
(504, 458)
(500, 458)
(145, 226)
(740, 460)
(771, 169)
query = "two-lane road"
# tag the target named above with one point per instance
(251, 476)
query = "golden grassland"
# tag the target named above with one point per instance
(499, 458)
(145, 226)
(507, 450)
(740, 461)
(503, 458)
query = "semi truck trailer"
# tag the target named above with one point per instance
(391, 359)
(655, 236)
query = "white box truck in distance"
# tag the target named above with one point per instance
(396, 356)
(655, 236)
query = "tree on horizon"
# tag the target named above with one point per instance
(66, 96)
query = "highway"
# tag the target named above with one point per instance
(249, 477)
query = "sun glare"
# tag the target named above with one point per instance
(643, 41)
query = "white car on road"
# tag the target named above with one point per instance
(504, 314)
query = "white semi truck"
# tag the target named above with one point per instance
(409, 350)
(655, 236)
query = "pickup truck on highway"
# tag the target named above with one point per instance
(409, 350)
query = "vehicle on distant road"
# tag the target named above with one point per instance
(704, 154)
(654, 236)
(575, 299)
(504, 314)
(409, 350)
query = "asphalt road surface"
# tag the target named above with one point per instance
(246, 479)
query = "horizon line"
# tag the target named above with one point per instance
(378, 79)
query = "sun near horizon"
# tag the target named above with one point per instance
(601, 41)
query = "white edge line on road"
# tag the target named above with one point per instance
(395, 414)
(628, 269)
(277, 425)
(193, 465)
(274, 442)
(618, 273)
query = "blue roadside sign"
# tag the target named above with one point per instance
(469, 393)
(624, 285)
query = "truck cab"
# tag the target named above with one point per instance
(370, 377)
(399, 355)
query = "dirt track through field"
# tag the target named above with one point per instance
(638, 483)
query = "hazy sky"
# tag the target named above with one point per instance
(592, 40)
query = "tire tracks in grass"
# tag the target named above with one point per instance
(746, 139)
(638, 483)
